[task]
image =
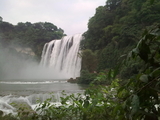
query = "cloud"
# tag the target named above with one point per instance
(70, 15)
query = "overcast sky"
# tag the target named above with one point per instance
(70, 15)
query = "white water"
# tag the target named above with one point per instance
(25, 81)
(60, 60)
(61, 56)
(31, 82)
(31, 101)
(27, 92)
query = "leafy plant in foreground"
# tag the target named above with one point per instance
(141, 95)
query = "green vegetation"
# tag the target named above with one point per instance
(114, 30)
(28, 35)
(141, 94)
(136, 99)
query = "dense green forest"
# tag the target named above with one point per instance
(121, 51)
(28, 35)
(114, 30)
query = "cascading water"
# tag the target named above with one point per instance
(27, 93)
(60, 61)
(61, 56)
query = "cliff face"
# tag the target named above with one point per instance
(13, 60)
(27, 51)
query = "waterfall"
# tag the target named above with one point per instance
(61, 56)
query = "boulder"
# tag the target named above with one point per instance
(71, 80)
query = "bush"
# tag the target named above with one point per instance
(86, 77)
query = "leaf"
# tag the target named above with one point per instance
(144, 78)
(86, 103)
(80, 101)
(99, 95)
(152, 1)
(116, 70)
(135, 104)
(38, 109)
(158, 84)
(144, 50)
(94, 102)
(120, 89)
(135, 50)
(109, 74)
(145, 33)
(156, 73)
(44, 105)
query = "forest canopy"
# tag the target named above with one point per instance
(31, 35)
(116, 28)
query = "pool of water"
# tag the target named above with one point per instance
(28, 91)
(27, 87)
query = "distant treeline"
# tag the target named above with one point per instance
(32, 35)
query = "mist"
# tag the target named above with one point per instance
(15, 65)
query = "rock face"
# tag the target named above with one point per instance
(27, 51)
(71, 80)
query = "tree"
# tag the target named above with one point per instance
(140, 96)
(89, 60)
(112, 4)
(119, 29)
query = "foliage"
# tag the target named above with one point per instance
(29, 35)
(8, 117)
(139, 97)
(94, 103)
(117, 27)
(143, 100)
(89, 60)
(101, 78)
(107, 57)
(104, 77)
(86, 77)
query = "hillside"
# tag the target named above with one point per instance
(28, 35)
(115, 29)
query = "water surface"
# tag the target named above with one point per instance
(28, 91)
(27, 87)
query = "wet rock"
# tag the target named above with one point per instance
(71, 80)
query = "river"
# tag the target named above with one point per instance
(28, 91)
